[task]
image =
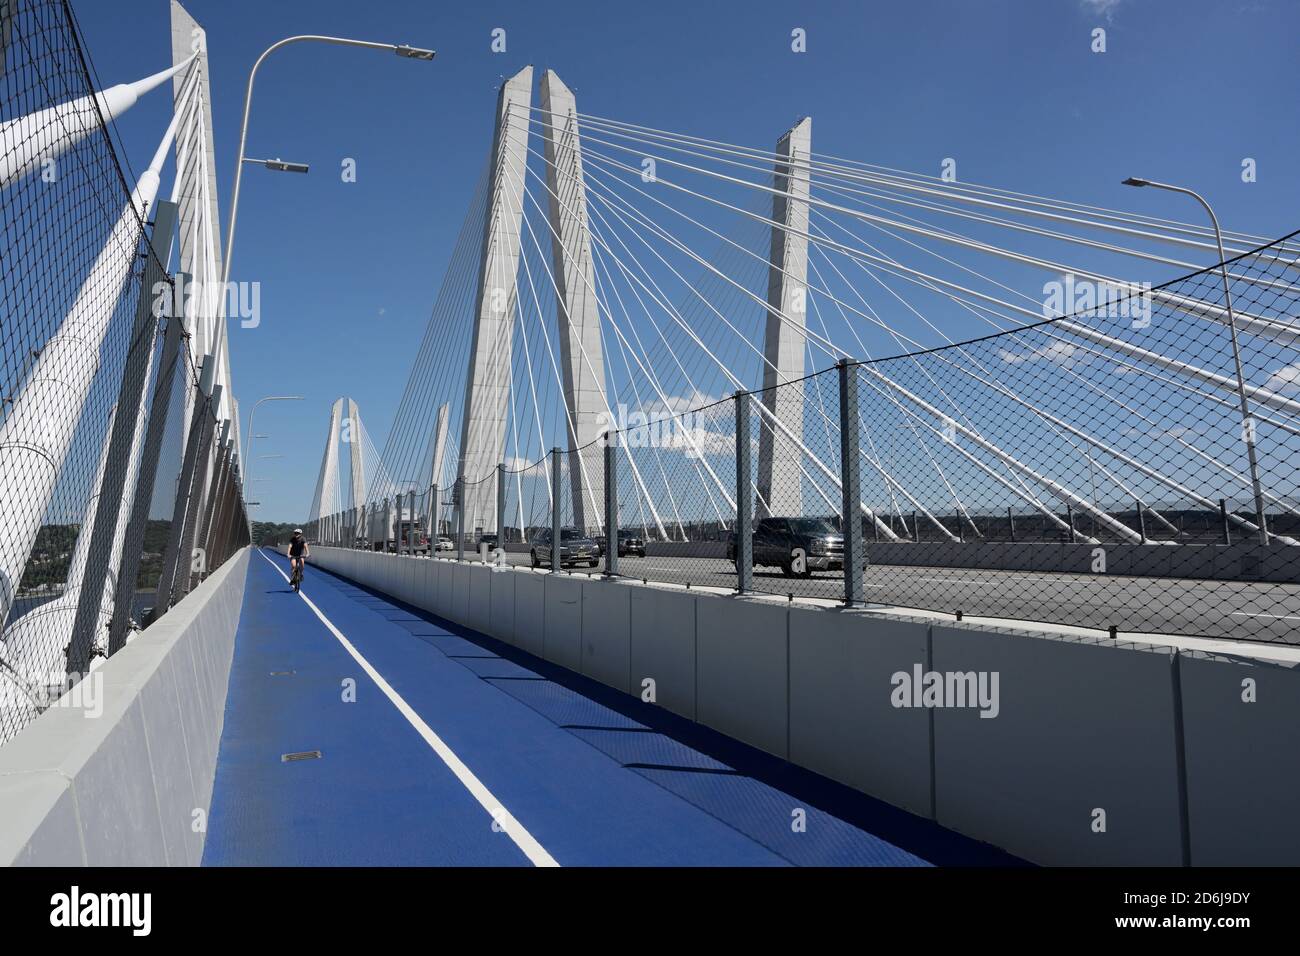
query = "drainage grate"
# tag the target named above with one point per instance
(300, 755)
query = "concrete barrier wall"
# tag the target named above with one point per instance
(1241, 733)
(1080, 764)
(1100, 753)
(131, 786)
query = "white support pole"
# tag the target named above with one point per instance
(37, 433)
(74, 121)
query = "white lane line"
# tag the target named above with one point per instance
(502, 817)
(1279, 617)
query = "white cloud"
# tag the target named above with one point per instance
(1057, 351)
(1103, 8)
(1285, 380)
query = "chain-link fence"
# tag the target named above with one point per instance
(676, 481)
(119, 489)
(1131, 466)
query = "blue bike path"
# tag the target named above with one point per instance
(440, 746)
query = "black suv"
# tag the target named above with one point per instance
(779, 542)
(630, 545)
(575, 548)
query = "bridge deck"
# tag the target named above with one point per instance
(409, 772)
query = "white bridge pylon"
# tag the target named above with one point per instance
(604, 222)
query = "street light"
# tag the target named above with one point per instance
(279, 165)
(401, 50)
(1247, 425)
(248, 445)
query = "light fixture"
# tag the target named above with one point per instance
(413, 53)
(279, 165)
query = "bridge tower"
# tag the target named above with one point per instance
(487, 384)
(582, 360)
(356, 459)
(327, 483)
(780, 486)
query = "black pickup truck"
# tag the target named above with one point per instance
(798, 546)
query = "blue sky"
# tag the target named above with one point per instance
(1009, 88)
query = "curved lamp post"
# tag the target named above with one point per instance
(1247, 425)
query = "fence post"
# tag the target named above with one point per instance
(388, 522)
(611, 503)
(1011, 521)
(460, 518)
(399, 528)
(434, 522)
(744, 549)
(1142, 521)
(199, 497)
(501, 507)
(220, 458)
(188, 490)
(122, 446)
(557, 562)
(1069, 513)
(1223, 516)
(855, 548)
(133, 541)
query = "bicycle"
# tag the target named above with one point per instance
(295, 579)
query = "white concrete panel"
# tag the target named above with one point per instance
(116, 805)
(428, 584)
(662, 646)
(167, 748)
(741, 680)
(562, 641)
(1082, 726)
(502, 621)
(1241, 733)
(479, 615)
(530, 611)
(460, 593)
(446, 586)
(842, 723)
(606, 632)
(40, 828)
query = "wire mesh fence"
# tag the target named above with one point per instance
(676, 480)
(796, 526)
(1103, 470)
(1130, 466)
(104, 527)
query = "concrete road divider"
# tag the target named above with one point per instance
(119, 773)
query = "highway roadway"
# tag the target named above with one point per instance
(1233, 610)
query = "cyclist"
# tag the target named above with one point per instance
(298, 555)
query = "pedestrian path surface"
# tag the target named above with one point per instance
(440, 746)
